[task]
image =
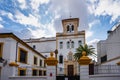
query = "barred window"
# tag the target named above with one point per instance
(35, 60)
(72, 44)
(60, 59)
(34, 72)
(68, 45)
(22, 55)
(61, 45)
(79, 43)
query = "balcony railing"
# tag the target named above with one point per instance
(107, 69)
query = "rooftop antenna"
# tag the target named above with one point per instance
(70, 15)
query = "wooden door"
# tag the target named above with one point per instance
(70, 70)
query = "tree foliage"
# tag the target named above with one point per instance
(88, 49)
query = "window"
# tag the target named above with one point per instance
(79, 42)
(40, 72)
(44, 64)
(1, 48)
(68, 44)
(61, 45)
(72, 44)
(34, 72)
(68, 28)
(104, 59)
(35, 60)
(60, 59)
(22, 55)
(34, 47)
(70, 57)
(21, 71)
(72, 28)
(46, 56)
(44, 73)
(40, 63)
(61, 69)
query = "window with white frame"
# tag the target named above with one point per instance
(68, 45)
(72, 44)
(61, 45)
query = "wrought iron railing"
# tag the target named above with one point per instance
(106, 69)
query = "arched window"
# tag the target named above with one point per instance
(79, 43)
(72, 28)
(61, 45)
(68, 44)
(61, 59)
(72, 44)
(68, 28)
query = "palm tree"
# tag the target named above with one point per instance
(88, 49)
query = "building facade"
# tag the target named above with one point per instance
(19, 59)
(109, 49)
(66, 44)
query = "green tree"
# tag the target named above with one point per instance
(88, 49)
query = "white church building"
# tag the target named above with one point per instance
(65, 43)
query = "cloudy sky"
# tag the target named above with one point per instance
(42, 18)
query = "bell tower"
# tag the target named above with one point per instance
(70, 26)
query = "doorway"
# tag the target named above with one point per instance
(70, 70)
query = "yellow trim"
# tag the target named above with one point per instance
(11, 35)
(118, 63)
(19, 55)
(13, 64)
(36, 60)
(21, 69)
(1, 49)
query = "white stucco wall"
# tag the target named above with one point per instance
(9, 54)
(110, 46)
(101, 50)
(43, 45)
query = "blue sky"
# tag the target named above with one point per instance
(42, 18)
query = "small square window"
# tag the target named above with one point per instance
(21, 71)
(34, 72)
(40, 72)
(44, 73)
(22, 55)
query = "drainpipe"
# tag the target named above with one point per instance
(16, 52)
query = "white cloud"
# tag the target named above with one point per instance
(27, 20)
(106, 7)
(89, 33)
(93, 23)
(1, 26)
(1, 19)
(22, 4)
(36, 3)
(8, 14)
(94, 41)
(63, 8)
